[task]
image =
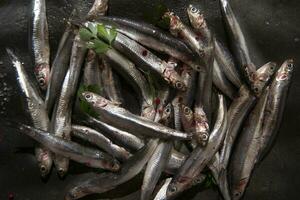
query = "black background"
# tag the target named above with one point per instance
(272, 28)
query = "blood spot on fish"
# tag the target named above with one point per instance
(157, 101)
(145, 53)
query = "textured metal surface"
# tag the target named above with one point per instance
(273, 29)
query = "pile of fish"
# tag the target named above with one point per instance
(197, 101)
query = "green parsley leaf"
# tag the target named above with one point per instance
(85, 34)
(93, 28)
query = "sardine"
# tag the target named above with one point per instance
(40, 43)
(152, 37)
(61, 118)
(90, 157)
(187, 119)
(59, 67)
(123, 119)
(247, 149)
(100, 183)
(190, 172)
(202, 132)
(97, 138)
(37, 111)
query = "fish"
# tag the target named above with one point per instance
(37, 111)
(187, 119)
(111, 83)
(59, 67)
(153, 38)
(276, 102)
(98, 9)
(221, 82)
(148, 61)
(247, 148)
(159, 160)
(237, 39)
(238, 111)
(162, 193)
(92, 71)
(123, 119)
(40, 43)
(131, 74)
(189, 173)
(97, 138)
(90, 157)
(100, 183)
(201, 133)
(60, 124)
(225, 59)
(162, 97)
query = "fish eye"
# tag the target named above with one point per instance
(272, 68)
(236, 194)
(290, 66)
(179, 85)
(204, 136)
(41, 81)
(186, 110)
(168, 110)
(194, 10)
(256, 89)
(43, 169)
(88, 96)
(173, 189)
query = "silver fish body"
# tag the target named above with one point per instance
(92, 73)
(247, 149)
(148, 61)
(190, 172)
(101, 141)
(61, 118)
(152, 37)
(100, 183)
(37, 111)
(40, 46)
(90, 157)
(98, 9)
(123, 119)
(59, 67)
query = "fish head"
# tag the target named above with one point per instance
(167, 115)
(42, 73)
(172, 77)
(177, 186)
(44, 161)
(148, 111)
(109, 162)
(95, 99)
(188, 114)
(196, 17)
(262, 77)
(175, 23)
(239, 189)
(201, 126)
(285, 71)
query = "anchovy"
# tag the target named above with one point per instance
(90, 157)
(40, 39)
(163, 96)
(59, 67)
(111, 83)
(225, 59)
(61, 118)
(128, 70)
(92, 73)
(159, 160)
(187, 119)
(152, 37)
(221, 82)
(238, 110)
(276, 101)
(37, 111)
(245, 155)
(190, 172)
(201, 133)
(98, 9)
(148, 61)
(121, 118)
(101, 141)
(100, 183)
(237, 38)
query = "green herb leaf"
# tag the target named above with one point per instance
(112, 34)
(85, 34)
(93, 28)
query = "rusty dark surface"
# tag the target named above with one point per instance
(272, 28)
